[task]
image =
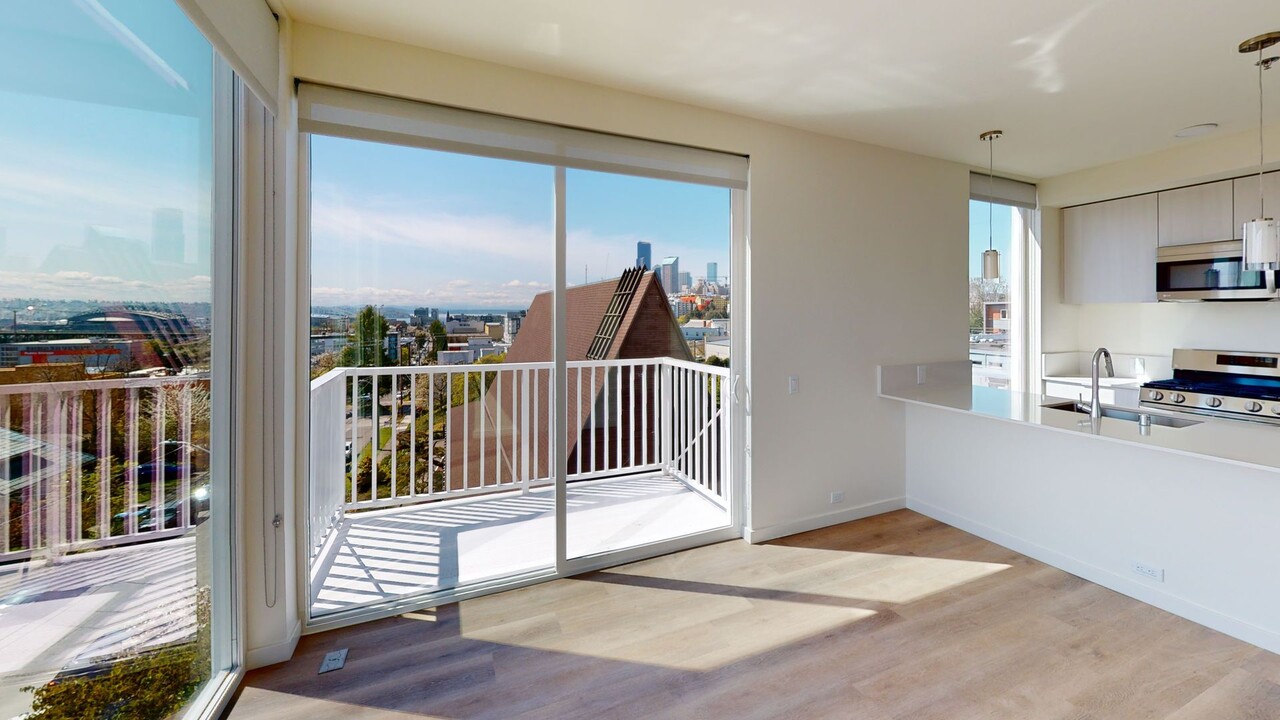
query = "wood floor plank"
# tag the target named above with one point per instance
(892, 617)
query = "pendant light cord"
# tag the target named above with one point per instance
(1262, 208)
(991, 182)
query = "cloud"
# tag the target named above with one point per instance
(78, 285)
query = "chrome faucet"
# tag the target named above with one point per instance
(1095, 405)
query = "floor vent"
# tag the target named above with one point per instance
(333, 661)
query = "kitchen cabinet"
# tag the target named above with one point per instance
(1109, 251)
(1246, 199)
(1200, 213)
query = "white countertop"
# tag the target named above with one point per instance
(1087, 381)
(1234, 441)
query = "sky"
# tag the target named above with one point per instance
(106, 119)
(1002, 224)
(409, 226)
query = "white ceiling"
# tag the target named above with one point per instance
(1073, 83)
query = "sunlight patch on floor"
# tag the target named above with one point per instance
(680, 629)
(872, 577)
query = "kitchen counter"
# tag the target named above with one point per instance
(1243, 443)
(1087, 381)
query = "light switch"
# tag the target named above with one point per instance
(793, 384)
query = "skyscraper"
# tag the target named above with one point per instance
(669, 274)
(644, 255)
(712, 270)
(167, 242)
(685, 281)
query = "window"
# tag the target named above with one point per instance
(114, 493)
(1002, 309)
(486, 292)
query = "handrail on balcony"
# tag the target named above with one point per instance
(95, 463)
(389, 436)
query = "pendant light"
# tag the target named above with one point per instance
(991, 256)
(1262, 234)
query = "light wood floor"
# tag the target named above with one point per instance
(896, 616)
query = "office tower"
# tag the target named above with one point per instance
(712, 272)
(644, 254)
(685, 281)
(669, 274)
(168, 245)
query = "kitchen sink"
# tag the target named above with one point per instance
(1129, 415)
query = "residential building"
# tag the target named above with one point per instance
(511, 324)
(328, 343)
(702, 329)
(717, 347)
(645, 328)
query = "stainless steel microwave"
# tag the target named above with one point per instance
(1210, 271)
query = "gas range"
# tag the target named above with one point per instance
(1239, 385)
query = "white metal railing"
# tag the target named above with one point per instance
(388, 436)
(95, 463)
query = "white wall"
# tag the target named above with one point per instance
(865, 241)
(1153, 328)
(1094, 507)
(272, 419)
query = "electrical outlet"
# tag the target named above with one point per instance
(1149, 571)
(1139, 367)
(793, 384)
(837, 497)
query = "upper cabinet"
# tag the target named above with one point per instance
(1200, 213)
(1246, 192)
(1109, 250)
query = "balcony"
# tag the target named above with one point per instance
(103, 489)
(446, 479)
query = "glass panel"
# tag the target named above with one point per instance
(991, 313)
(1220, 274)
(648, 410)
(106, 284)
(431, 342)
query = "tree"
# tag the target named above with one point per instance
(323, 363)
(439, 339)
(369, 331)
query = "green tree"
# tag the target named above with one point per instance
(439, 339)
(369, 331)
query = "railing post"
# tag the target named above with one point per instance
(666, 409)
(525, 474)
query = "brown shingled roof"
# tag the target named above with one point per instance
(648, 329)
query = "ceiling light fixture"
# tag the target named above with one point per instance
(1262, 234)
(1196, 130)
(991, 256)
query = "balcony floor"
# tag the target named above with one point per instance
(379, 555)
(81, 610)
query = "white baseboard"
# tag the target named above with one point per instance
(1239, 629)
(275, 652)
(813, 522)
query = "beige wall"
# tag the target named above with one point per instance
(857, 257)
(1153, 328)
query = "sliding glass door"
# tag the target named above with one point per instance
(115, 494)
(512, 378)
(647, 371)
